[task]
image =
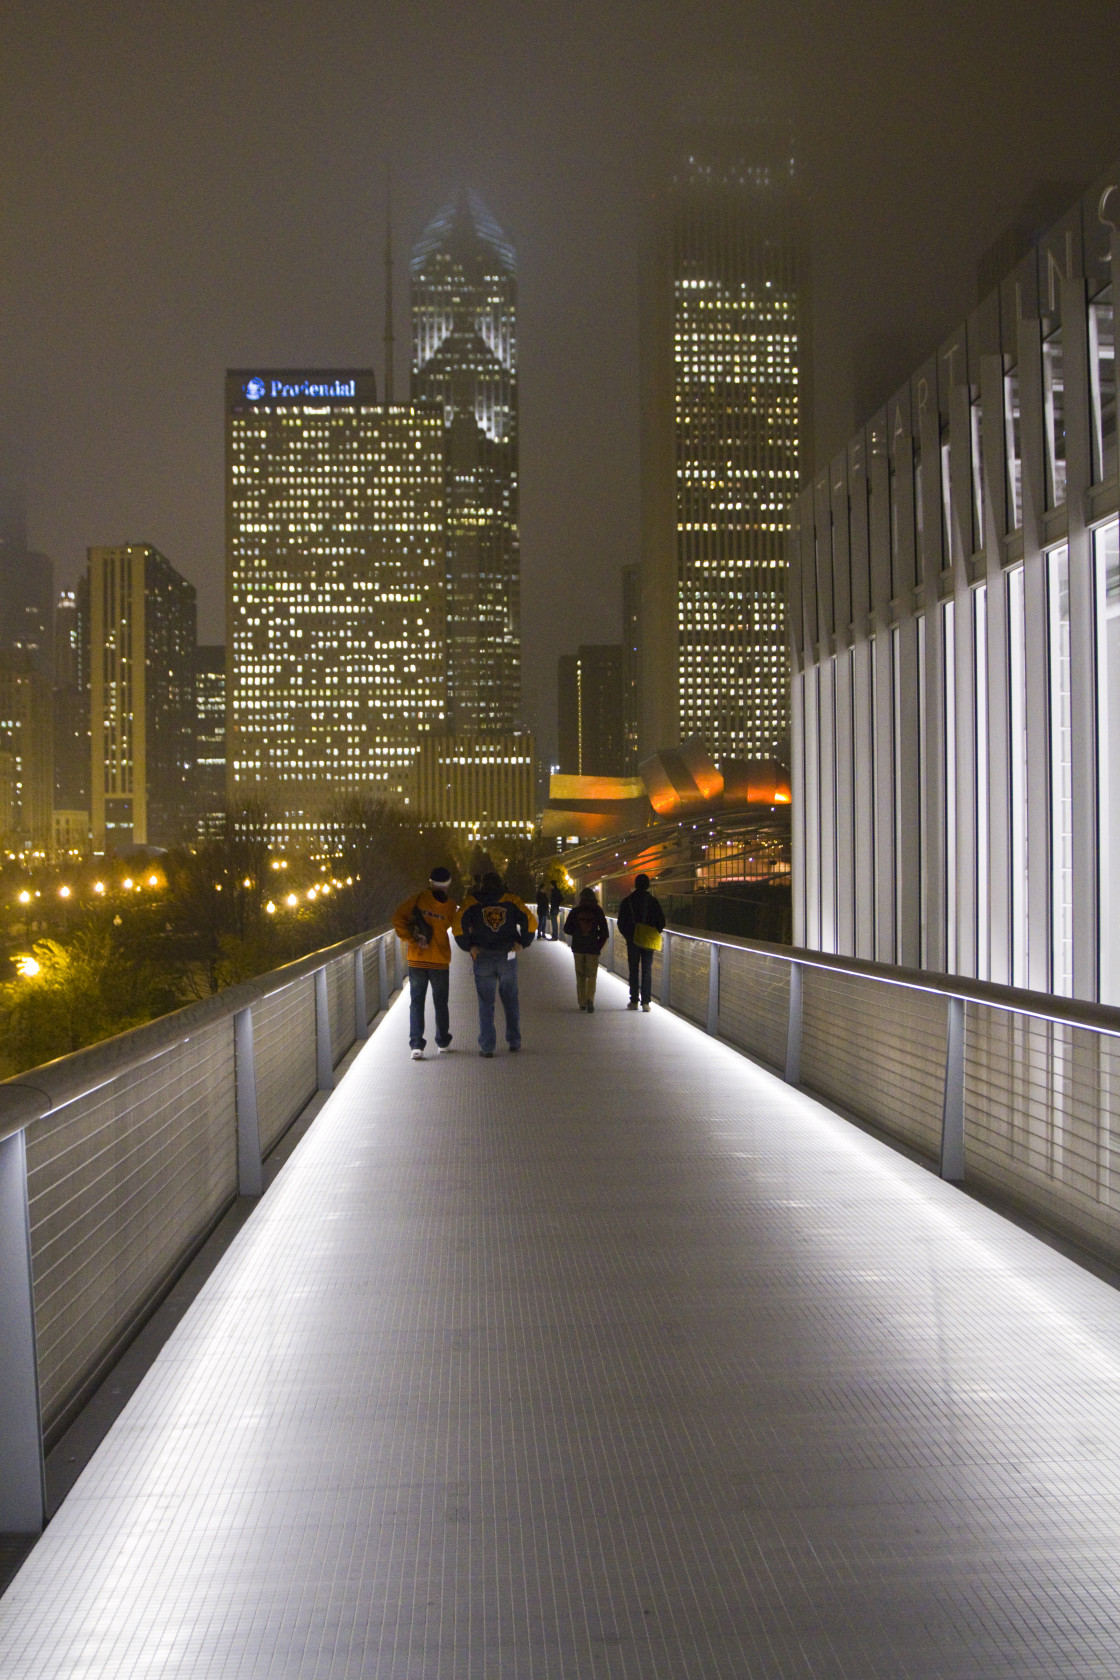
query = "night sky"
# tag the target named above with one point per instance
(188, 187)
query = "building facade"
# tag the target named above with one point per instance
(725, 383)
(631, 656)
(955, 630)
(142, 640)
(26, 757)
(336, 554)
(71, 702)
(481, 789)
(210, 740)
(464, 367)
(590, 711)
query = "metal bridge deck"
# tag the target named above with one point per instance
(617, 1358)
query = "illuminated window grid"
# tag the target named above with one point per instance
(336, 594)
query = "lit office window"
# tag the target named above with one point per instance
(1061, 772)
(1054, 413)
(1102, 375)
(1106, 561)
(1017, 720)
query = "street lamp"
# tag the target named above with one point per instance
(27, 967)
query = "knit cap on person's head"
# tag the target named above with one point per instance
(440, 877)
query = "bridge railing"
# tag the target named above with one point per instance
(1014, 1093)
(118, 1161)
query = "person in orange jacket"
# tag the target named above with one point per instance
(423, 923)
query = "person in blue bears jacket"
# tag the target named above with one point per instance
(491, 926)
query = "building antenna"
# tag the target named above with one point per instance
(388, 287)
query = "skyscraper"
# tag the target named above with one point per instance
(336, 535)
(590, 711)
(725, 341)
(71, 700)
(210, 740)
(464, 364)
(142, 640)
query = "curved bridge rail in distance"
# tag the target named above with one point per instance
(117, 1162)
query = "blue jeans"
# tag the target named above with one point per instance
(418, 981)
(493, 970)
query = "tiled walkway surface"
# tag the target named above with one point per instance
(612, 1359)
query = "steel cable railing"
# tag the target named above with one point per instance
(117, 1162)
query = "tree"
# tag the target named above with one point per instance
(75, 995)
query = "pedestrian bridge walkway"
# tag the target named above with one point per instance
(616, 1358)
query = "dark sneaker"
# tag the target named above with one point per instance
(591, 1009)
(513, 1049)
(489, 1054)
(633, 1004)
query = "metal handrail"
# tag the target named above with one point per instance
(24, 1099)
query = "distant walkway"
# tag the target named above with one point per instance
(617, 1358)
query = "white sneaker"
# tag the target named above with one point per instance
(418, 1055)
(444, 1049)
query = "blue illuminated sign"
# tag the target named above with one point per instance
(279, 390)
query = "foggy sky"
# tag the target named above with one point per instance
(191, 187)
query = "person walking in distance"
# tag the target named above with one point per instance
(542, 911)
(492, 927)
(586, 927)
(641, 922)
(424, 924)
(555, 900)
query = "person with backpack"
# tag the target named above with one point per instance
(542, 911)
(641, 922)
(586, 927)
(491, 927)
(423, 923)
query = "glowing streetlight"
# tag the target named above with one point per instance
(27, 966)
(291, 900)
(270, 908)
(64, 892)
(246, 882)
(153, 880)
(127, 883)
(99, 887)
(25, 898)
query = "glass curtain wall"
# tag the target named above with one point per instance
(950, 722)
(1054, 414)
(1011, 427)
(1106, 560)
(1061, 773)
(1017, 747)
(983, 917)
(1102, 376)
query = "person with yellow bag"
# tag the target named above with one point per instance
(641, 922)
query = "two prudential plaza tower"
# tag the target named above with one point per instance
(374, 576)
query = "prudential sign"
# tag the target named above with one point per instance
(264, 389)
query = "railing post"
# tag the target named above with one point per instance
(250, 1179)
(793, 1027)
(324, 1060)
(666, 969)
(361, 1018)
(952, 1108)
(383, 972)
(22, 1477)
(713, 988)
(397, 967)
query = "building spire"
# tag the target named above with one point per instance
(388, 287)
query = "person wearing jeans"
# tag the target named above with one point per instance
(424, 922)
(491, 927)
(639, 909)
